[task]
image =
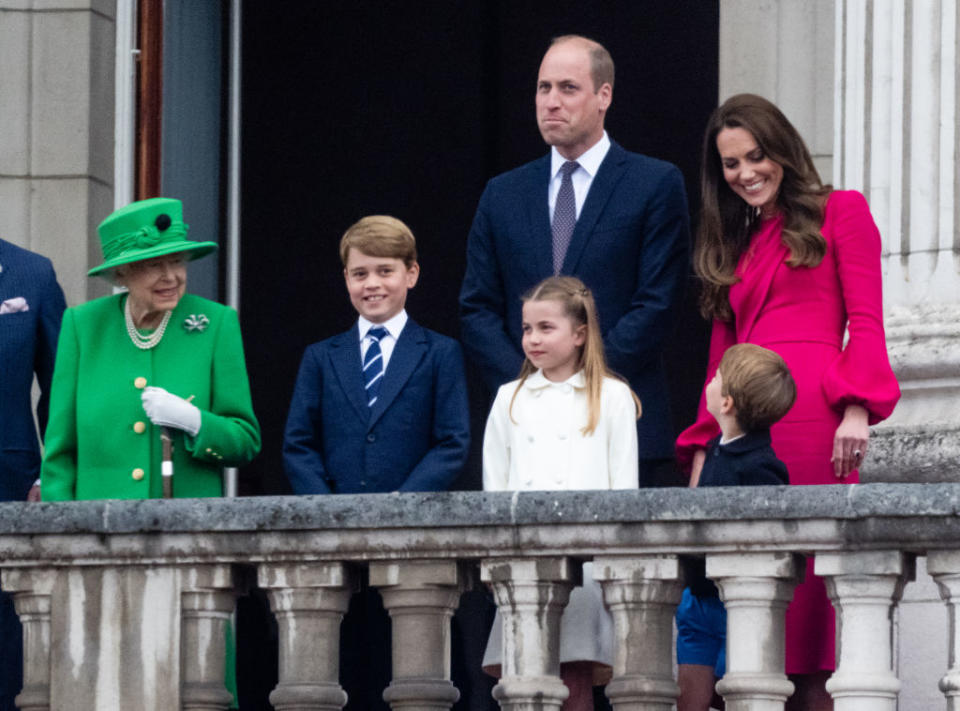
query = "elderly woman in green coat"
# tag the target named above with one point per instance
(153, 358)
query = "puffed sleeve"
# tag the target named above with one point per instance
(706, 428)
(229, 427)
(621, 435)
(861, 374)
(496, 442)
(58, 474)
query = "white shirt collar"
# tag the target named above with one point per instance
(590, 160)
(538, 380)
(394, 325)
(732, 439)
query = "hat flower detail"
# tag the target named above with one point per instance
(196, 322)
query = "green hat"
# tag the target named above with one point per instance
(147, 229)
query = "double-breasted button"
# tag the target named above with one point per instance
(371, 437)
(139, 427)
(137, 474)
(140, 383)
(561, 435)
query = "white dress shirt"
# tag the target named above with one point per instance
(582, 177)
(542, 447)
(394, 327)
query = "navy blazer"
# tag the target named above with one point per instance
(630, 247)
(414, 438)
(28, 346)
(748, 461)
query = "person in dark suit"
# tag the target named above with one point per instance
(751, 390)
(379, 408)
(617, 220)
(31, 308)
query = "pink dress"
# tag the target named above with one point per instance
(801, 313)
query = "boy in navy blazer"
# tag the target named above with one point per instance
(751, 390)
(383, 406)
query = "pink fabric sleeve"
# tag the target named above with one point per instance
(705, 428)
(861, 374)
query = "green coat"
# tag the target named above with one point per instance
(100, 444)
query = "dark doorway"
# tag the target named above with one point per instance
(408, 108)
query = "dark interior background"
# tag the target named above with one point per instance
(408, 108)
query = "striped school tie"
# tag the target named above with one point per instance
(373, 365)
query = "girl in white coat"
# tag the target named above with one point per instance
(566, 423)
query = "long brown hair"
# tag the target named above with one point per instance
(727, 222)
(580, 308)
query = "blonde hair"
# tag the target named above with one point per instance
(380, 236)
(579, 307)
(759, 382)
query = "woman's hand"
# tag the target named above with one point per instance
(850, 441)
(168, 410)
(699, 457)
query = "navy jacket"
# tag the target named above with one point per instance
(629, 247)
(414, 438)
(748, 461)
(28, 346)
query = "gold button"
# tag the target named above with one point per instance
(137, 474)
(139, 427)
(140, 383)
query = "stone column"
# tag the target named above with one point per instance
(756, 588)
(207, 602)
(420, 596)
(944, 566)
(896, 140)
(531, 594)
(864, 587)
(56, 146)
(31, 589)
(309, 601)
(642, 594)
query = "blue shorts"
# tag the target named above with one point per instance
(702, 632)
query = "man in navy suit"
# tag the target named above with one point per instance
(616, 220)
(379, 408)
(31, 307)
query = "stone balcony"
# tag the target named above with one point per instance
(125, 604)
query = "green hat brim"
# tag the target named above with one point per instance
(192, 250)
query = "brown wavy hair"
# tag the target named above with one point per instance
(727, 222)
(580, 308)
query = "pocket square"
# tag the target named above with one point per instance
(14, 305)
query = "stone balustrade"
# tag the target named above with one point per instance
(126, 604)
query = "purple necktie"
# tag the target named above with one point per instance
(564, 215)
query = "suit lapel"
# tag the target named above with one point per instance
(538, 217)
(407, 353)
(606, 179)
(345, 356)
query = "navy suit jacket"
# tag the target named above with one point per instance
(28, 346)
(414, 438)
(748, 461)
(630, 247)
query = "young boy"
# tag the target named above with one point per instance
(380, 408)
(383, 406)
(751, 390)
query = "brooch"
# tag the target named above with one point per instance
(196, 322)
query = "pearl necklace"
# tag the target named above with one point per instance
(142, 342)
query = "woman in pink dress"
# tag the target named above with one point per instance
(788, 263)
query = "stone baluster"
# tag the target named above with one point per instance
(309, 601)
(944, 566)
(642, 594)
(207, 601)
(864, 586)
(531, 594)
(31, 589)
(756, 588)
(420, 596)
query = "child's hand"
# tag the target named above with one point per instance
(850, 441)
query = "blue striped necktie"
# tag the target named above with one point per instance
(373, 364)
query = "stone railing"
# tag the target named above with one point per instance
(126, 604)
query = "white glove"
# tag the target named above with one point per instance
(167, 410)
